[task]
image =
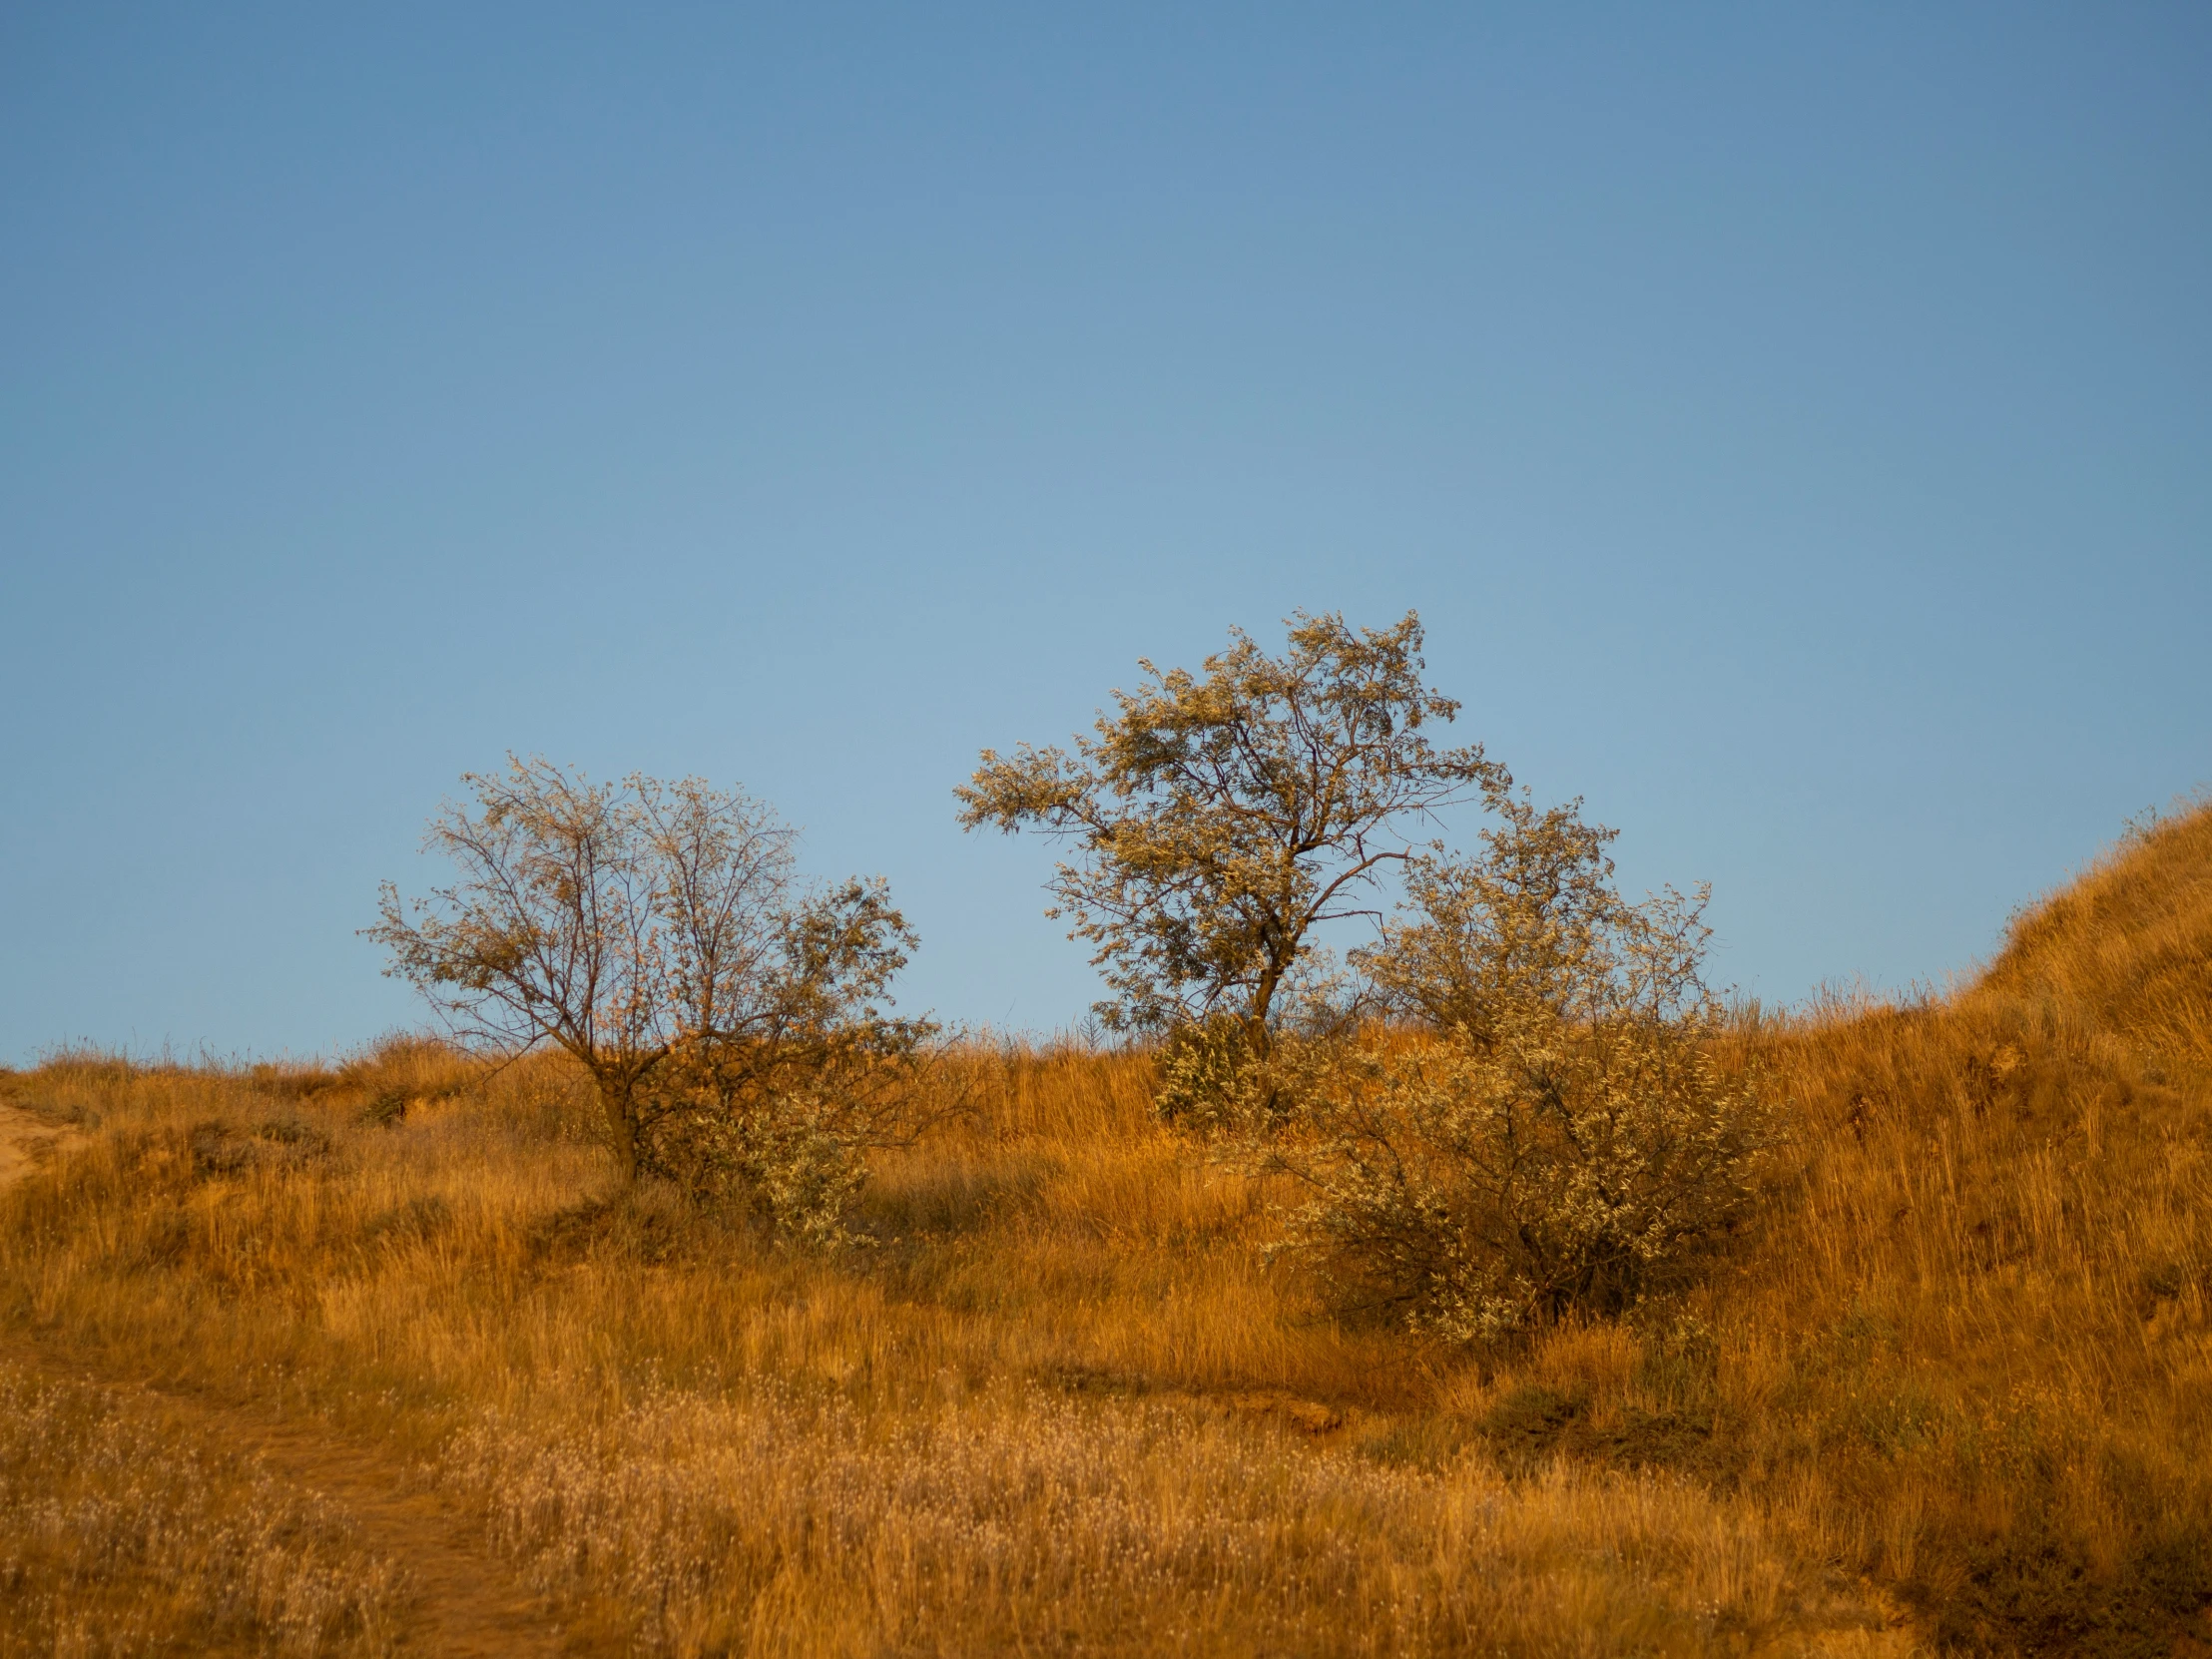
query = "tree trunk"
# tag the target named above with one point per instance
(1256, 1022)
(616, 1100)
(1257, 1036)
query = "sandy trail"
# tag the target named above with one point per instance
(467, 1602)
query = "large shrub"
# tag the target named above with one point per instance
(1545, 1126)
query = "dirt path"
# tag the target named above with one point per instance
(467, 1602)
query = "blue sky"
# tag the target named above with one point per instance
(1791, 424)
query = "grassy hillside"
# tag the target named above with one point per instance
(1954, 1390)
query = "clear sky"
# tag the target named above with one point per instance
(1793, 423)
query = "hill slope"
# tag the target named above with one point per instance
(1981, 1330)
(1953, 1390)
(2128, 947)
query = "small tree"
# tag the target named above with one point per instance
(1219, 818)
(656, 931)
(1562, 1133)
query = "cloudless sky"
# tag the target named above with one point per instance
(1793, 425)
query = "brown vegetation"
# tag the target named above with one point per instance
(128, 1532)
(1952, 1388)
(657, 933)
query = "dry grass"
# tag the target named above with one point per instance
(1954, 1390)
(121, 1535)
(1979, 1338)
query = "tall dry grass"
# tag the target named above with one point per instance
(121, 1534)
(1980, 1333)
(1064, 1402)
(1951, 1391)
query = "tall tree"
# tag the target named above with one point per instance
(1219, 819)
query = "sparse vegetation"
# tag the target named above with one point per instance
(1872, 1328)
(1949, 1394)
(122, 1533)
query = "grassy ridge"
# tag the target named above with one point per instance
(1954, 1390)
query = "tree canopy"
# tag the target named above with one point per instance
(1218, 818)
(650, 929)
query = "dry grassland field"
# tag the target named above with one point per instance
(376, 1357)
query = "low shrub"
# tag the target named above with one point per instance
(1548, 1128)
(1477, 1190)
(781, 1130)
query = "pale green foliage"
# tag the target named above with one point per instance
(1477, 1190)
(1560, 1135)
(729, 1017)
(1534, 918)
(786, 1157)
(1219, 819)
(1214, 1078)
(1206, 1073)
(779, 1125)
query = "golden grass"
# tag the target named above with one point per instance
(120, 1535)
(1955, 1389)
(2125, 949)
